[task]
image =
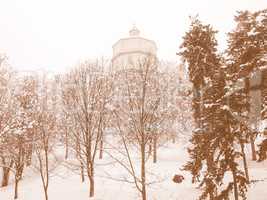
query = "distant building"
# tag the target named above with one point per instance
(129, 51)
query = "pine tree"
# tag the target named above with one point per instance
(247, 54)
(198, 51)
(212, 153)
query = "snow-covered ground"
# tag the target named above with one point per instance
(67, 185)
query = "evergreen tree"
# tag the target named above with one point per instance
(247, 54)
(212, 152)
(247, 43)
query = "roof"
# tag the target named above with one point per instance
(129, 38)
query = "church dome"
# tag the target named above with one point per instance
(128, 51)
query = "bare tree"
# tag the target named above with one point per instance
(68, 121)
(5, 162)
(88, 95)
(18, 126)
(137, 112)
(46, 131)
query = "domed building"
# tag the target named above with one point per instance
(129, 51)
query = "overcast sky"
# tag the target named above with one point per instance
(56, 34)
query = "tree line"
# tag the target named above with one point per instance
(86, 114)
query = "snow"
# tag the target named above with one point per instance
(225, 107)
(66, 184)
(263, 125)
(260, 19)
(252, 32)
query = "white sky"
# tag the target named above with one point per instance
(55, 34)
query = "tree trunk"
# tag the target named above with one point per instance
(155, 149)
(82, 173)
(209, 184)
(20, 172)
(149, 147)
(19, 166)
(29, 149)
(101, 148)
(235, 185)
(92, 187)
(143, 169)
(29, 155)
(211, 195)
(66, 146)
(44, 169)
(6, 173)
(46, 193)
(92, 182)
(78, 154)
(47, 173)
(173, 139)
(244, 161)
(16, 187)
(253, 149)
(5, 178)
